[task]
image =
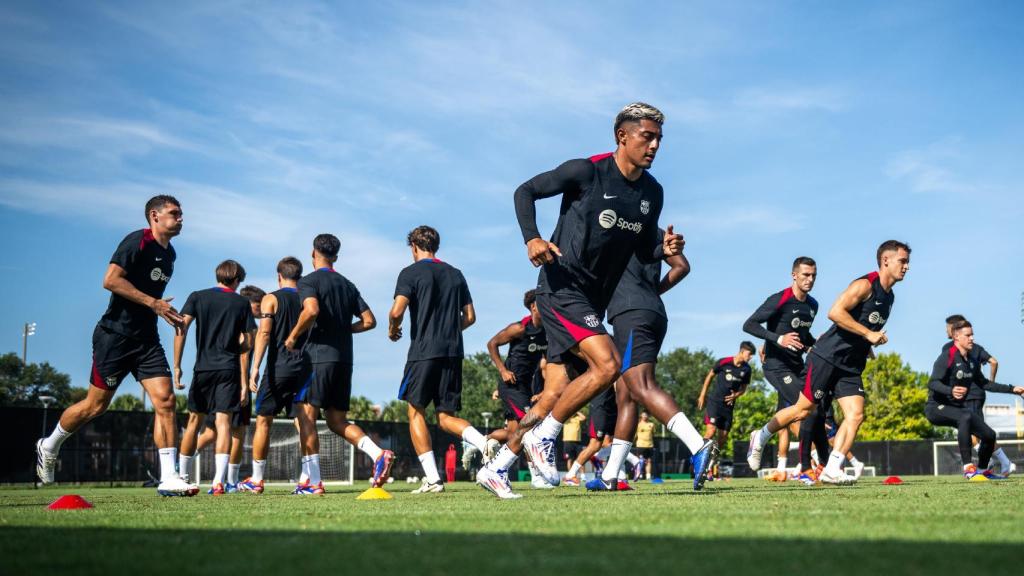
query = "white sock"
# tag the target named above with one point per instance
(632, 459)
(258, 466)
(574, 469)
(233, 473)
(835, 463)
(474, 437)
(782, 463)
(313, 462)
(680, 426)
(185, 467)
(168, 457)
(221, 461)
(764, 435)
(503, 460)
(1004, 461)
(548, 428)
(429, 467)
(304, 473)
(53, 442)
(616, 457)
(369, 447)
(854, 461)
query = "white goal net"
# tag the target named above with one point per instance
(946, 456)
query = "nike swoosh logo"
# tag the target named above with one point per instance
(607, 197)
(878, 303)
(158, 259)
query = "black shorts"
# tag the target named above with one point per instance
(823, 382)
(719, 415)
(214, 391)
(603, 412)
(976, 405)
(646, 453)
(114, 356)
(515, 400)
(242, 416)
(571, 450)
(638, 336)
(787, 383)
(328, 386)
(568, 318)
(277, 394)
(437, 380)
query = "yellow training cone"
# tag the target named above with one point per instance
(978, 478)
(375, 494)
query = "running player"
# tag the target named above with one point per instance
(440, 307)
(784, 321)
(609, 212)
(640, 322)
(126, 341)
(329, 304)
(835, 363)
(731, 376)
(223, 334)
(955, 372)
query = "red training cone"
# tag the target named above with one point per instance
(70, 502)
(893, 481)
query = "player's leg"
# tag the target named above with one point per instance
(189, 444)
(207, 432)
(959, 418)
(818, 381)
(309, 441)
(627, 417)
(165, 428)
(235, 454)
(222, 449)
(556, 379)
(849, 395)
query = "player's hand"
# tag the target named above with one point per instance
(254, 384)
(494, 395)
(162, 308)
(395, 334)
(791, 341)
(700, 402)
(672, 243)
(1018, 390)
(876, 338)
(244, 397)
(541, 252)
(177, 379)
(535, 398)
(507, 376)
(959, 392)
(290, 343)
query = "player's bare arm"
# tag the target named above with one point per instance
(268, 307)
(678, 268)
(513, 331)
(310, 310)
(395, 317)
(367, 321)
(704, 389)
(116, 280)
(468, 316)
(858, 291)
(179, 348)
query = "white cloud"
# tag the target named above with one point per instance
(928, 169)
(825, 99)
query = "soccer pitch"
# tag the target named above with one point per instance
(926, 526)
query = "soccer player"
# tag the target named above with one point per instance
(731, 376)
(645, 445)
(639, 320)
(126, 341)
(784, 321)
(835, 363)
(282, 378)
(440, 307)
(609, 212)
(955, 372)
(223, 334)
(329, 304)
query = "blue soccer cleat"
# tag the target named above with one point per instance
(703, 461)
(599, 485)
(230, 488)
(382, 468)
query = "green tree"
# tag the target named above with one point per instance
(361, 408)
(22, 385)
(127, 403)
(753, 410)
(395, 411)
(896, 395)
(681, 373)
(77, 395)
(479, 380)
(180, 403)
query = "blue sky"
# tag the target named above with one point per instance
(792, 129)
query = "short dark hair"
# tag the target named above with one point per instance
(158, 202)
(961, 325)
(229, 272)
(529, 298)
(890, 245)
(425, 238)
(748, 346)
(953, 319)
(804, 261)
(290, 268)
(327, 245)
(252, 293)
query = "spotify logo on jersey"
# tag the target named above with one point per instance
(608, 218)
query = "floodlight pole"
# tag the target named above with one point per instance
(28, 330)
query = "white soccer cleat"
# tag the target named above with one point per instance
(540, 483)
(1006, 473)
(46, 461)
(496, 483)
(429, 487)
(491, 449)
(858, 470)
(175, 486)
(542, 452)
(840, 479)
(468, 451)
(754, 451)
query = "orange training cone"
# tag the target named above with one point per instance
(70, 502)
(893, 481)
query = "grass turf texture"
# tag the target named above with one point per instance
(926, 526)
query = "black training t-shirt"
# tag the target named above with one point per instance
(281, 361)
(603, 221)
(220, 317)
(781, 314)
(638, 288)
(437, 292)
(524, 353)
(951, 369)
(149, 267)
(979, 355)
(846, 350)
(729, 378)
(330, 338)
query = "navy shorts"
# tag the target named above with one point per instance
(786, 382)
(603, 413)
(437, 380)
(639, 335)
(214, 391)
(568, 318)
(719, 415)
(277, 394)
(328, 386)
(823, 382)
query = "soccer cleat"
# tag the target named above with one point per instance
(754, 451)
(540, 483)
(217, 489)
(777, 476)
(638, 470)
(248, 485)
(542, 453)
(303, 489)
(317, 490)
(858, 469)
(382, 468)
(176, 487)
(808, 477)
(992, 475)
(624, 486)
(468, 451)
(840, 479)
(491, 450)
(45, 463)
(497, 483)
(970, 471)
(703, 462)
(431, 487)
(1005, 472)
(571, 480)
(230, 488)
(598, 484)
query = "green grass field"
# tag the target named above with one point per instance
(926, 526)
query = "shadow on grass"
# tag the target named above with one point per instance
(111, 551)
